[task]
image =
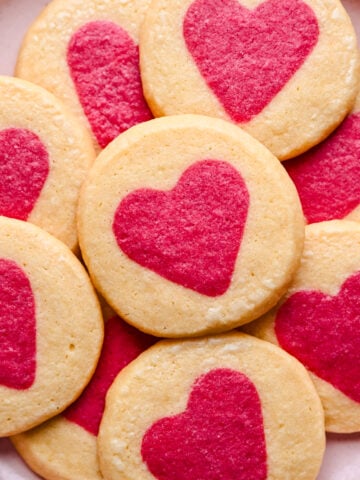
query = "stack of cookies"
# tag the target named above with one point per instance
(174, 303)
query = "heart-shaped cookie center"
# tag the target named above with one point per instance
(321, 331)
(24, 167)
(122, 344)
(17, 328)
(220, 435)
(327, 177)
(247, 56)
(104, 65)
(191, 234)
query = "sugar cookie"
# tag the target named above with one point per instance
(65, 447)
(188, 225)
(317, 318)
(87, 54)
(287, 71)
(50, 323)
(327, 177)
(210, 409)
(45, 156)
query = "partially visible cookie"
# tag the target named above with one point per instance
(318, 320)
(287, 71)
(210, 409)
(87, 54)
(189, 226)
(65, 447)
(327, 177)
(45, 155)
(51, 326)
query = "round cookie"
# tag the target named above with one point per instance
(327, 177)
(318, 319)
(189, 226)
(45, 156)
(287, 71)
(65, 447)
(212, 408)
(87, 54)
(50, 323)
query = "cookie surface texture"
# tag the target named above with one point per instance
(87, 54)
(316, 320)
(327, 177)
(257, 63)
(209, 409)
(51, 326)
(65, 447)
(188, 225)
(44, 158)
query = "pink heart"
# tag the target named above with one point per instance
(17, 328)
(247, 56)
(122, 344)
(321, 332)
(220, 435)
(24, 167)
(104, 65)
(191, 234)
(327, 177)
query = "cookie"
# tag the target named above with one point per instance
(87, 54)
(210, 409)
(316, 320)
(189, 226)
(65, 447)
(286, 71)
(327, 177)
(51, 326)
(45, 156)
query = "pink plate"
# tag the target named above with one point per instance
(342, 458)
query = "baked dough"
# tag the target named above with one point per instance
(317, 319)
(189, 226)
(286, 71)
(51, 326)
(87, 54)
(212, 408)
(45, 155)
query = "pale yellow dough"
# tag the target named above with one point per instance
(154, 155)
(331, 255)
(69, 326)
(71, 154)
(42, 58)
(158, 383)
(59, 450)
(304, 112)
